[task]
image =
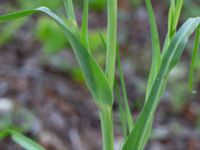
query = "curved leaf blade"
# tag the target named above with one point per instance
(22, 140)
(136, 139)
(95, 78)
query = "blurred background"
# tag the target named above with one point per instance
(42, 92)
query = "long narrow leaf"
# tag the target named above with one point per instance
(194, 58)
(156, 56)
(93, 74)
(179, 5)
(84, 28)
(23, 141)
(125, 97)
(121, 109)
(136, 139)
(173, 18)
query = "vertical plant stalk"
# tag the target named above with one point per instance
(106, 112)
(111, 41)
(106, 118)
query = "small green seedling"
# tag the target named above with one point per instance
(102, 84)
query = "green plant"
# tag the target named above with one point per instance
(21, 139)
(101, 83)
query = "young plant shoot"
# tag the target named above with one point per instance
(102, 83)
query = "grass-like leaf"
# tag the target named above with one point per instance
(173, 18)
(129, 118)
(84, 27)
(194, 59)
(121, 110)
(22, 140)
(93, 74)
(136, 139)
(156, 54)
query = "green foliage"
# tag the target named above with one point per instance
(138, 135)
(128, 116)
(101, 83)
(174, 46)
(20, 139)
(95, 78)
(194, 59)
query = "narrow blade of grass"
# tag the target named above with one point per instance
(136, 139)
(84, 28)
(156, 56)
(179, 5)
(194, 59)
(170, 26)
(123, 85)
(95, 78)
(173, 18)
(121, 110)
(23, 141)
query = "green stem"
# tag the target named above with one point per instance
(107, 128)
(111, 41)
